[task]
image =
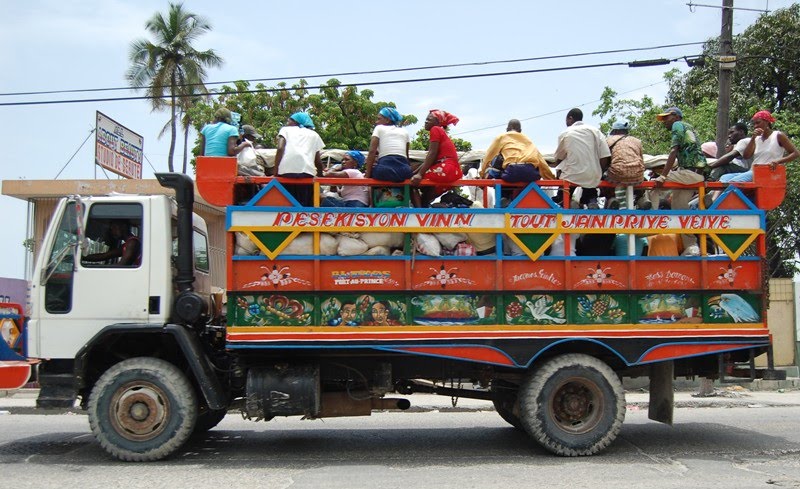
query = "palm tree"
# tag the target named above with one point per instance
(171, 63)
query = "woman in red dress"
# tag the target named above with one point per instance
(441, 164)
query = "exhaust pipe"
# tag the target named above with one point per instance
(392, 403)
(336, 404)
(189, 306)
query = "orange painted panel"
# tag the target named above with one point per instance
(215, 176)
(283, 275)
(734, 275)
(453, 275)
(668, 275)
(14, 375)
(771, 185)
(600, 274)
(362, 275)
(534, 275)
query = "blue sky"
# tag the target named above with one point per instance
(56, 45)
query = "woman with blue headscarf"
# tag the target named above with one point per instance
(351, 195)
(389, 146)
(298, 155)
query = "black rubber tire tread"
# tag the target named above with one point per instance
(536, 416)
(180, 396)
(207, 420)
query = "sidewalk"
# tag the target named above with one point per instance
(783, 394)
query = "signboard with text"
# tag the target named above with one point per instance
(117, 148)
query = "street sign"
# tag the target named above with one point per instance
(117, 148)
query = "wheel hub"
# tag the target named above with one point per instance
(575, 406)
(139, 411)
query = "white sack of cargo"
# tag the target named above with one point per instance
(427, 244)
(244, 246)
(303, 244)
(351, 246)
(379, 251)
(450, 240)
(391, 240)
(328, 244)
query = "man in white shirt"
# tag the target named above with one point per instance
(733, 161)
(582, 155)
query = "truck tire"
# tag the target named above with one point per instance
(208, 419)
(573, 405)
(142, 409)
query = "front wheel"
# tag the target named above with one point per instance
(573, 405)
(142, 409)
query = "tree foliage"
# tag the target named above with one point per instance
(171, 65)
(766, 76)
(344, 116)
(422, 140)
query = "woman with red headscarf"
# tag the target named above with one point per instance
(766, 147)
(441, 164)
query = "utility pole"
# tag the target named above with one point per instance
(727, 61)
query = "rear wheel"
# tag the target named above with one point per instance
(142, 409)
(573, 405)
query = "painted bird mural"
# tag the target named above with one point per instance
(539, 311)
(736, 307)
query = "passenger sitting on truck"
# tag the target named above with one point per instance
(627, 162)
(521, 159)
(124, 245)
(389, 147)
(298, 155)
(219, 137)
(582, 155)
(350, 195)
(441, 164)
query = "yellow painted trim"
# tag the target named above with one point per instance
(631, 327)
(270, 254)
(734, 255)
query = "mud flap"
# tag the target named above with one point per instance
(662, 396)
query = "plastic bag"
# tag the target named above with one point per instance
(248, 162)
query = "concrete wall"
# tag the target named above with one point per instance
(781, 320)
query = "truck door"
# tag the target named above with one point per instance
(109, 283)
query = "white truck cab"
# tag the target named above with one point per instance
(105, 261)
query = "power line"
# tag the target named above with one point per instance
(371, 83)
(557, 111)
(371, 72)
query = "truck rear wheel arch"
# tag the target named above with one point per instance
(595, 349)
(172, 343)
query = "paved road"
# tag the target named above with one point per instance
(746, 441)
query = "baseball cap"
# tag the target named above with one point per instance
(620, 126)
(671, 110)
(248, 130)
